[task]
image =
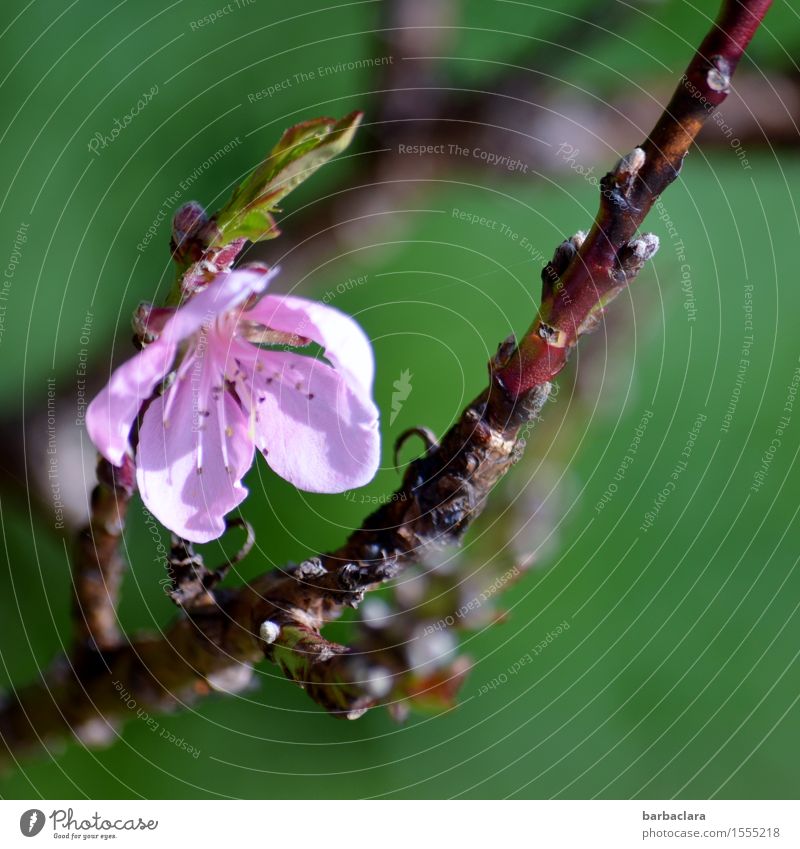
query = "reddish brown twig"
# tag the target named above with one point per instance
(607, 259)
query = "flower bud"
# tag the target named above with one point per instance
(187, 223)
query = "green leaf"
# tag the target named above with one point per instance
(301, 150)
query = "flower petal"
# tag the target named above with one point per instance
(110, 415)
(345, 343)
(314, 428)
(189, 470)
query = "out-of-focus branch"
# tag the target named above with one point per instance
(97, 563)
(410, 98)
(418, 103)
(281, 614)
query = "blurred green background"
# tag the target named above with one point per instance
(679, 673)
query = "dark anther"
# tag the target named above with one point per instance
(424, 433)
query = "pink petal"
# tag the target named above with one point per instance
(223, 294)
(314, 428)
(111, 414)
(189, 471)
(345, 343)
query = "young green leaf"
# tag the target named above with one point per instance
(302, 149)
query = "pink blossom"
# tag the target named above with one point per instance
(313, 419)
